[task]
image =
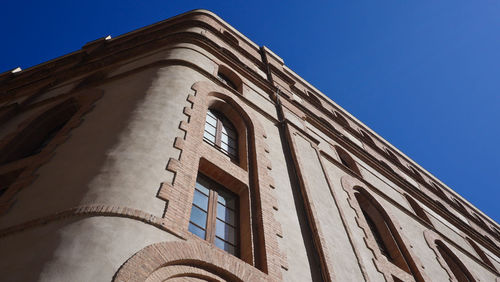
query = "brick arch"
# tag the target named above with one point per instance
(181, 272)
(167, 260)
(352, 186)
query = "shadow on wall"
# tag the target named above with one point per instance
(92, 166)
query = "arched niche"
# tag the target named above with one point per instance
(347, 160)
(230, 78)
(385, 235)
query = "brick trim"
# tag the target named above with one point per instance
(89, 211)
(311, 211)
(251, 173)
(381, 263)
(431, 237)
(159, 262)
(182, 271)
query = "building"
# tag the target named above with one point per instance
(183, 151)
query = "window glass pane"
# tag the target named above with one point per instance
(224, 146)
(225, 231)
(210, 129)
(225, 246)
(202, 185)
(201, 200)
(211, 120)
(226, 214)
(211, 114)
(199, 217)
(226, 199)
(209, 137)
(196, 231)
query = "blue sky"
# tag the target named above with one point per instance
(423, 74)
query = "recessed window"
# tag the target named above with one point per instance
(222, 77)
(347, 160)
(418, 209)
(221, 134)
(455, 265)
(384, 233)
(214, 215)
(480, 252)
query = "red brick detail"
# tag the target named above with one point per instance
(317, 232)
(431, 237)
(89, 211)
(385, 267)
(179, 143)
(182, 271)
(161, 261)
(179, 193)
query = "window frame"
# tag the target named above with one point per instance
(215, 190)
(222, 123)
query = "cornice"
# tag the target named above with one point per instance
(98, 51)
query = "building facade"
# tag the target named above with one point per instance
(183, 151)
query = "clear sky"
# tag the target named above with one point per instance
(425, 75)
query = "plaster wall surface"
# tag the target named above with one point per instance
(128, 148)
(289, 214)
(340, 256)
(86, 249)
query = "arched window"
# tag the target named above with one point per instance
(438, 191)
(215, 215)
(229, 78)
(496, 232)
(393, 157)
(347, 160)
(39, 132)
(340, 119)
(384, 233)
(384, 164)
(460, 206)
(222, 77)
(456, 266)
(418, 209)
(221, 134)
(417, 174)
(314, 100)
(481, 222)
(481, 254)
(367, 137)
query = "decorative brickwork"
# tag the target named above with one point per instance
(248, 178)
(389, 270)
(88, 211)
(431, 238)
(161, 261)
